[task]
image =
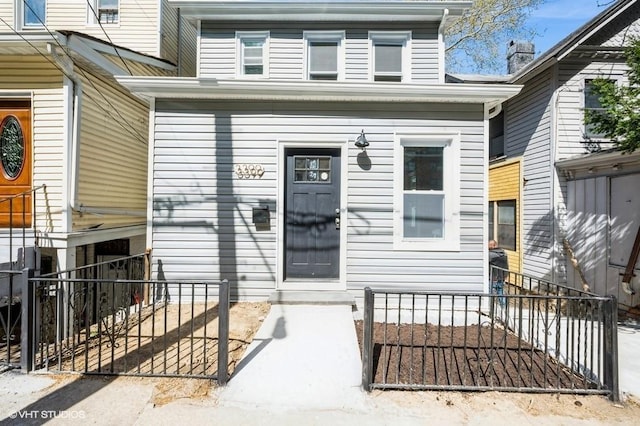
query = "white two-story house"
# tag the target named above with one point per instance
(319, 148)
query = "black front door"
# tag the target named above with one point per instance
(312, 205)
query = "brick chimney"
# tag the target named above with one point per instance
(519, 54)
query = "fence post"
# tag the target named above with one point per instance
(610, 338)
(27, 332)
(223, 333)
(367, 340)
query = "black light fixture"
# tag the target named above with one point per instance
(361, 141)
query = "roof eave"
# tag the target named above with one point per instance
(194, 88)
(256, 10)
(570, 43)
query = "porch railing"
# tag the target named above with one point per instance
(510, 342)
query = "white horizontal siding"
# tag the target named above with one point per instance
(528, 133)
(137, 28)
(286, 49)
(570, 105)
(202, 212)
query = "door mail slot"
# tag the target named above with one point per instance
(261, 215)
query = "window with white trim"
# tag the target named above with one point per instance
(427, 187)
(324, 55)
(389, 55)
(33, 13)
(591, 102)
(104, 12)
(252, 53)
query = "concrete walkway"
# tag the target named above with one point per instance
(302, 356)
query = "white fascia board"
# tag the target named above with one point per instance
(110, 49)
(194, 88)
(83, 49)
(29, 41)
(340, 10)
(598, 159)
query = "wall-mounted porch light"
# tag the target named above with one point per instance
(361, 141)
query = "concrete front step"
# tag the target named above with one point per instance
(312, 298)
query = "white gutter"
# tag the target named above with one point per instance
(304, 90)
(72, 188)
(441, 45)
(342, 11)
(74, 144)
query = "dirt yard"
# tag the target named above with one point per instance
(167, 340)
(463, 356)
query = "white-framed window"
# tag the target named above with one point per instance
(389, 55)
(324, 55)
(252, 49)
(591, 102)
(103, 12)
(32, 13)
(427, 192)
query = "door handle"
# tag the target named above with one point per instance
(337, 218)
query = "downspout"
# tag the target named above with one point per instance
(179, 41)
(555, 223)
(441, 46)
(75, 126)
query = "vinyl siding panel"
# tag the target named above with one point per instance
(137, 29)
(528, 134)
(286, 49)
(113, 154)
(35, 74)
(202, 212)
(179, 40)
(570, 109)
(504, 184)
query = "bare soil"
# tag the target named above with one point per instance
(477, 356)
(167, 340)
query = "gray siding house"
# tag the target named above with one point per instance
(319, 149)
(574, 187)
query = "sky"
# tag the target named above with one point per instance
(556, 19)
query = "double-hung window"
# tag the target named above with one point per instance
(591, 102)
(104, 11)
(33, 12)
(324, 55)
(427, 201)
(252, 53)
(389, 55)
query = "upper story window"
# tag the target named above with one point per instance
(591, 102)
(324, 55)
(33, 12)
(496, 136)
(252, 53)
(427, 193)
(389, 55)
(104, 11)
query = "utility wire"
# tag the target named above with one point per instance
(93, 11)
(131, 129)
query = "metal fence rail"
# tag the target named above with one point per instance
(128, 327)
(510, 342)
(10, 318)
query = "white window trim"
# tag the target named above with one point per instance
(326, 36)
(264, 35)
(93, 20)
(19, 17)
(400, 37)
(451, 188)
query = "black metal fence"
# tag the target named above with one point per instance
(10, 318)
(186, 335)
(508, 342)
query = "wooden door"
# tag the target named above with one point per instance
(16, 202)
